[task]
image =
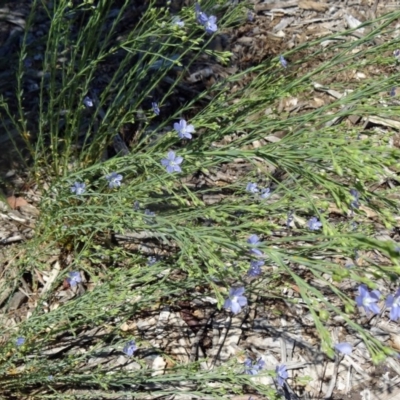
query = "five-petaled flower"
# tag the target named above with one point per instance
(114, 180)
(314, 224)
(184, 130)
(393, 302)
(344, 348)
(78, 188)
(74, 278)
(236, 300)
(255, 268)
(155, 108)
(283, 62)
(255, 241)
(252, 187)
(368, 299)
(172, 162)
(129, 348)
(20, 341)
(281, 374)
(253, 368)
(87, 101)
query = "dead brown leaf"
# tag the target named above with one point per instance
(16, 202)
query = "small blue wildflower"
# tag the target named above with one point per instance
(255, 241)
(200, 15)
(252, 187)
(20, 341)
(130, 348)
(355, 203)
(172, 162)
(255, 268)
(178, 22)
(114, 180)
(74, 278)
(151, 260)
(155, 108)
(344, 348)
(393, 91)
(396, 54)
(283, 62)
(281, 373)
(250, 16)
(314, 224)
(184, 130)
(88, 102)
(236, 300)
(211, 25)
(368, 300)
(78, 188)
(265, 193)
(393, 302)
(253, 368)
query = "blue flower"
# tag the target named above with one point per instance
(184, 130)
(281, 373)
(78, 188)
(178, 22)
(265, 193)
(20, 341)
(88, 102)
(252, 187)
(74, 278)
(255, 241)
(393, 302)
(236, 300)
(368, 300)
(396, 54)
(211, 25)
(255, 268)
(114, 180)
(151, 260)
(130, 348)
(172, 162)
(200, 15)
(155, 108)
(314, 224)
(344, 348)
(354, 203)
(253, 368)
(393, 91)
(283, 62)
(209, 22)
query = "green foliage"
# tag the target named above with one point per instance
(312, 167)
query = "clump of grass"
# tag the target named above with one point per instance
(204, 244)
